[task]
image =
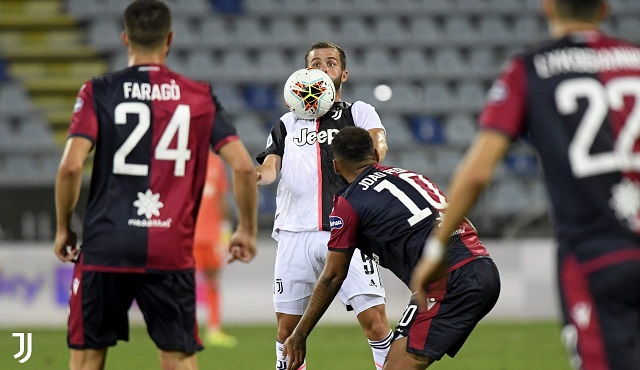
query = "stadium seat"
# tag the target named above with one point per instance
(104, 34)
(527, 29)
(460, 129)
(438, 98)
(236, 66)
(399, 136)
(277, 65)
(319, 28)
(472, 6)
(186, 35)
(230, 97)
(405, 97)
(494, 30)
(449, 62)
(459, 30)
(427, 130)
(14, 100)
(200, 65)
(251, 129)
(629, 27)
(378, 62)
(190, 8)
(471, 95)
(249, 32)
(413, 64)
(286, 30)
(390, 30)
(261, 97)
(86, 9)
(424, 30)
(418, 161)
(482, 62)
(355, 30)
(214, 32)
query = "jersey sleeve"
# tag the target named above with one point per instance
(345, 225)
(84, 121)
(506, 103)
(275, 142)
(365, 116)
(223, 130)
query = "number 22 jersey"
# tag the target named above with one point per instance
(152, 130)
(578, 99)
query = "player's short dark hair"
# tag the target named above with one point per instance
(353, 144)
(581, 10)
(147, 22)
(327, 45)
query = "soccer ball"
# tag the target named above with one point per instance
(309, 93)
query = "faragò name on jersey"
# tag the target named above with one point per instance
(151, 92)
(586, 60)
(369, 180)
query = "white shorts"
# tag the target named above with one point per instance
(299, 262)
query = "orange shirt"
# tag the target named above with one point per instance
(210, 214)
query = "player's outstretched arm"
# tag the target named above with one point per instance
(267, 172)
(472, 175)
(243, 241)
(379, 138)
(68, 183)
(334, 273)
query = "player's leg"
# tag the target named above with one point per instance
(173, 360)
(455, 304)
(87, 359)
(168, 304)
(98, 318)
(399, 359)
(600, 304)
(296, 271)
(363, 292)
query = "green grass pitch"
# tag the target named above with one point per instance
(492, 346)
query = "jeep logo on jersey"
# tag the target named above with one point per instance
(335, 222)
(308, 137)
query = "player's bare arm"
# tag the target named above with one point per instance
(334, 273)
(243, 241)
(473, 174)
(379, 138)
(68, 183)
(267, 172)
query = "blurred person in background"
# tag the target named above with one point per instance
(304, 201)
(210, 244)
(577, 98)
(388, 213)
(152, 130)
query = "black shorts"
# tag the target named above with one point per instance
(601, 307)
(100, 301)
(455, 305)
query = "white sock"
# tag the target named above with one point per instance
(282, 364)
(380, 349)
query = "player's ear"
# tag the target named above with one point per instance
(336, 168)
(170, 38)
(125, 38)
(345, 75)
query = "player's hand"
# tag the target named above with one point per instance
(430, 268)
(242, 247)
(65, 245)
(296, 348)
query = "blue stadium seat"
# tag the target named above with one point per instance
(228, 6)
(427, 130)
(260, 97)
(460, 129)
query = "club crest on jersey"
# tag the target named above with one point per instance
(335, 222)
(498, 93)
(309, 137)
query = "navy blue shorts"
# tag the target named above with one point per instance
(100, 301)
(600, 299)
(455, 304)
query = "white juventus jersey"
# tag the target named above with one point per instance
(308, 181)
